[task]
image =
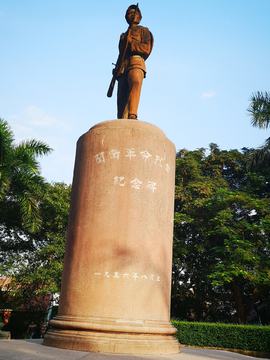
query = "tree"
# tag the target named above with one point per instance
(35, 260)
(21, 185)
(45, 264)
(221, 246)
(33, 220)
(259, 110)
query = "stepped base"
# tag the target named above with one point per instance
(114, 337)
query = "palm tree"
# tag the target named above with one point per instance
(20, 181)
(259, 110)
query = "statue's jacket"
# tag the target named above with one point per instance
(138, 50)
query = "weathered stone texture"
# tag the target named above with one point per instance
(115, 294)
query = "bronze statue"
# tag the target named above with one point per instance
(135, 46)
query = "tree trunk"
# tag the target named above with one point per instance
(239, 302)
(243, 311)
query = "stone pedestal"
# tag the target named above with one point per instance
(115, 294)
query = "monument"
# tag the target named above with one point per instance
(115, 295)
(135, 46)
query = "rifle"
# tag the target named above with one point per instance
(120, 59)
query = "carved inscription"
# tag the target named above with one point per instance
(136, 183)
(131, 154)
(100, 157)
(151, 185)
(119, 180)
(134, 276)
(114, 154)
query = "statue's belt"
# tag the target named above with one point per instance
(134, 61)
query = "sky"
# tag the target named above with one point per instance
(209, 56)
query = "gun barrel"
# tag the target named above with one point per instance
(110, 90)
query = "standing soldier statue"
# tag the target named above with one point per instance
(135, 46)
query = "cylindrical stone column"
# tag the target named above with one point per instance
(116, 285)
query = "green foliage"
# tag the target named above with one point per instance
(37, 264)
(21, 186)
(48, 265)
(259, 110)
(221, 236)
(259, 159)
(33, 222)
(252, 338)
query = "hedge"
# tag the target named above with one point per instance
(242, 337)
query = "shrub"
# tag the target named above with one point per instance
(242, 337)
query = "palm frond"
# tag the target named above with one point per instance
(259, 109)
(35, 147)
(25, 161)
(20, 178)
(6, 150)
(31, 219)
(259, 158)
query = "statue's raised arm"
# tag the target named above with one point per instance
(135, 46)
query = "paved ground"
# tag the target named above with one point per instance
(34, 350)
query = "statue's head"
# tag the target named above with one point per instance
(130, 14)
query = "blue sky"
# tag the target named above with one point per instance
(209, 56)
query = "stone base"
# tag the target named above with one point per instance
(113, 336)
(116, 286)
(113, 343)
